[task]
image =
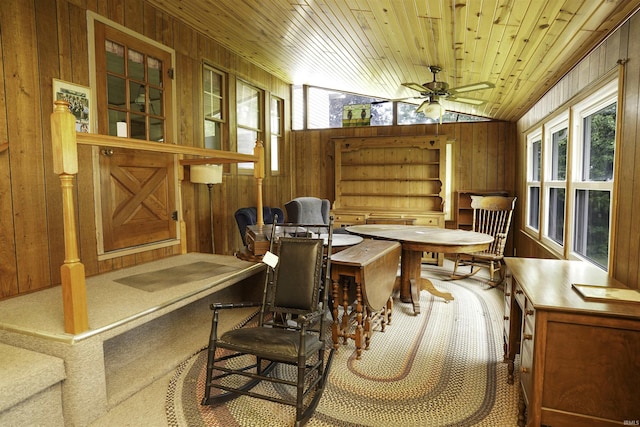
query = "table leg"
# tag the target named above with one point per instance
(359, 320)
(335, 333)
(411, 283)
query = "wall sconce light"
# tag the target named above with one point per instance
(210, 175)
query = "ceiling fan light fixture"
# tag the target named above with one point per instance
(431, 109)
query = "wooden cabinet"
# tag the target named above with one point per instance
(390, 177)
(464, 213)
(579, 359)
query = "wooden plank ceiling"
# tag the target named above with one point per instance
(370, 47)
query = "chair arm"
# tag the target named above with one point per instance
(225, 305)
(310, 317)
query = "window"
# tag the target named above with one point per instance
(249, 111)
(133, 87)
(576, 208)
(213, 85)
(534, 153)
(555, 182)
(323, 108)
(277, 132)
(593, 160)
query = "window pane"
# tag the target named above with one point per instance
(556, 215)
(382, 113)
(115, 57)
(156, 129)
(326, 107)
(599, 145)
(154, 68)
(246, 141)
(536, 148)
(138, 128)
(212, 135)
(248, 107)
(534, 207)
(275, 116)
(212, 96)
(407, 115)
(116, 92)
(274, 154)
(114, 118)
(297, 110)
(137, 97)
(155, 102)
(592, 225)
(559, 155)
(136, 65)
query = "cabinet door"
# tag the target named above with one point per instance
(137, 192)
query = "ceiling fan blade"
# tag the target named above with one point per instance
(466, 100)
(416, 86)
(472, 87)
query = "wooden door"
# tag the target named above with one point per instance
(137, 192)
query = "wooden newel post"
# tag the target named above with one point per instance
(258, 173)
(65, 164)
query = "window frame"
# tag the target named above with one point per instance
(607, 94)
(547, 183)
(276, 134)
(531, 181)
(601, 98)
(222, 121)
(248, 167)
(101, 29)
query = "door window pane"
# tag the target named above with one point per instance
(136, 65)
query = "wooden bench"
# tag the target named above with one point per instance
(363, 277)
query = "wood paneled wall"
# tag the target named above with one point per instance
(484, 155)
(622, 45)
(45, 39)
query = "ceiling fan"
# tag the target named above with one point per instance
(434, 91)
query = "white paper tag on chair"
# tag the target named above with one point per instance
(270, 259)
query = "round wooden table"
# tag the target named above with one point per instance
(418, 239)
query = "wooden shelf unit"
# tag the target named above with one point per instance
(390, 178)
(464, 213)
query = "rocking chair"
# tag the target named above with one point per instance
(491, 215)
(287, 347)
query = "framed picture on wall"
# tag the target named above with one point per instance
(79, 98)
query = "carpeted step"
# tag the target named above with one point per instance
(30, 387)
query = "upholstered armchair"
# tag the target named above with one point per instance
(249, 216)
(308, 210)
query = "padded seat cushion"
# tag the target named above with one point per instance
(270, 343)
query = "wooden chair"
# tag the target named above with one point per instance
(290, 331)
(491, 215)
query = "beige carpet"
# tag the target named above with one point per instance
(441, 368)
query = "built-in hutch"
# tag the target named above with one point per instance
(390, 178)
(395, 179)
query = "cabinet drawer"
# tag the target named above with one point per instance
(526, 368)
(518, 294)
(343, 220)
(429, 220)
(529, 319)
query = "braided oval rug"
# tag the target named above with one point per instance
(443, 367)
